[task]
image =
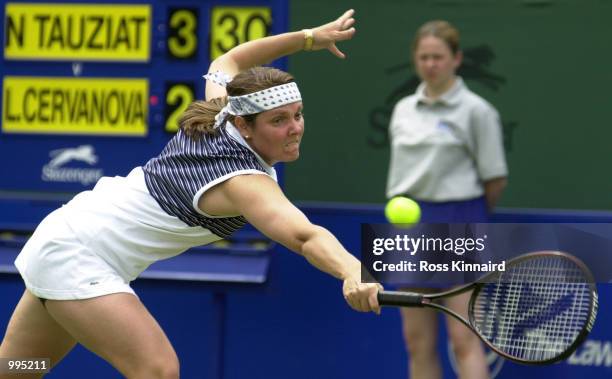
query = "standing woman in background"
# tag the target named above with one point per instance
(447, 154)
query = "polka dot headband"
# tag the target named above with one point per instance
(255, 102)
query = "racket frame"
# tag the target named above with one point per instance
(414, 299)
(586, 329)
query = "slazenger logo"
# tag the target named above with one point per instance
(593, 353)
(55, 172)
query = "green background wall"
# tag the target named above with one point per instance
(545, 65)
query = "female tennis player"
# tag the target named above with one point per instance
(211, 178)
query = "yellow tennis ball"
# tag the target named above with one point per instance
(402, 210)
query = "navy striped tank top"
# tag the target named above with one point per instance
(187, 167)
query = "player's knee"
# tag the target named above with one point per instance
(158, 368)
(169, 370)
(161, 371)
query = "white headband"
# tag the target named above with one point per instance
(255, 102)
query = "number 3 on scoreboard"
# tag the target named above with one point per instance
(178, 98)
(182, 33)
(231, 26)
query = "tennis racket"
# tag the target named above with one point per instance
(537, 311)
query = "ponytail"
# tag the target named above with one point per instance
(199, 117)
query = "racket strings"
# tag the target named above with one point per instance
(536, 309)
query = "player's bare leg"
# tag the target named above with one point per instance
(121, 330)
(33, 333)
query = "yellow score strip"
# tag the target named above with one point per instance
(84, 106)
(104, 32)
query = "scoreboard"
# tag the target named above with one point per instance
(93, 89)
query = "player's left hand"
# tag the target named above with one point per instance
(326, 36)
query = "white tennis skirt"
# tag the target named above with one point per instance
(102, 240)
(54, 264)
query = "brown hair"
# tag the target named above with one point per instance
(439, 29)
(199, 117)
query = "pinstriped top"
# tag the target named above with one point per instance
(187, 167)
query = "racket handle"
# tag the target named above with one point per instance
(400, 299)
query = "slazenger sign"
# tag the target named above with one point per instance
(55, 170)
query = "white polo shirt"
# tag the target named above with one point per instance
(444, 149)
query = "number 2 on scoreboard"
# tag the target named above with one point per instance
(178, 98)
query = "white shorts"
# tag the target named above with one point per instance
(55, 265)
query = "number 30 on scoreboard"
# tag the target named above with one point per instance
(229, 27)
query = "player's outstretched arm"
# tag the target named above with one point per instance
(264, 205)
(265, 50)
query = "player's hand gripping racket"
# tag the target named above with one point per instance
(537, 311)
